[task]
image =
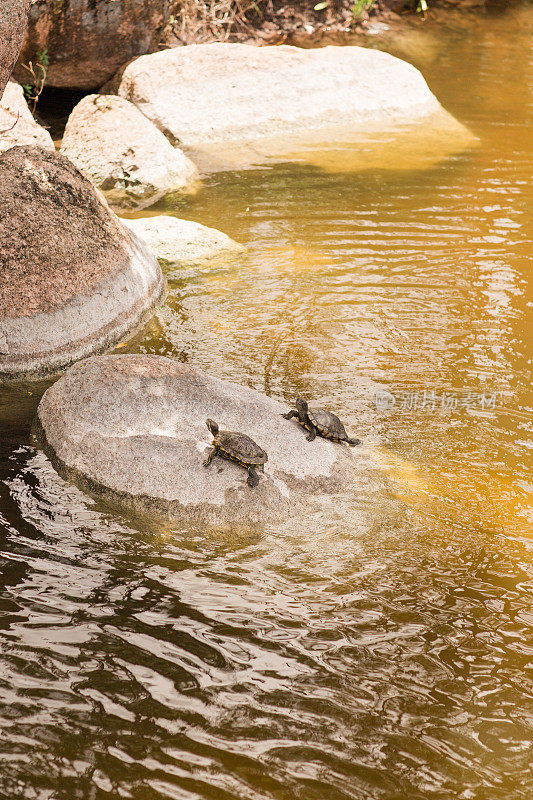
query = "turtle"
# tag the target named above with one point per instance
(321, 422)
(237, 447)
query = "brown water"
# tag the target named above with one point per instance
(321, 661)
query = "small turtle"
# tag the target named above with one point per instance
(237, 447)
(317, 420)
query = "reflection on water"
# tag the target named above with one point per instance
(314, 661)
(405, 146)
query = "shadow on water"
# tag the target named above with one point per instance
(325, 659)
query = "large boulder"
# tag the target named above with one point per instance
(13, 19)
(234, 104)
(73, 280)
(86, 41)
(132, 429)
(17, 123)
(123, 153)
(181, 243)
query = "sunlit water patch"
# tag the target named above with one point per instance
(322, 659)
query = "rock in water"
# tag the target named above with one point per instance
(13, 19)
(17, 122)
(232, 104)
(88, 40)
(132, 429)
(73, 280)
(123, 153)
(183, 243)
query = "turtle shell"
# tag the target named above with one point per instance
(240, 448)
(327, 424)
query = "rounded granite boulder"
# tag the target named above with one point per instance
(230, 105)
(181, 243)
(13, 21)
(17, 123)
(73, 280)
(86, 41)
(124, 154)
(131, 429)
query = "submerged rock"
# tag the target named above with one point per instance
(123, 153)
(182, 243)
(17, 123)
(73, 280)
(236, 104)
(88, 40)
(13, 19)
(132, 429)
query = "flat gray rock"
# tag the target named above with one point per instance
(236, 104)
(17, 123)
(182, 243)
(124, 154)
(73, 280)
(132, 430)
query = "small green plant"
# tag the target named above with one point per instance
(360, 7)
(321, 6)
(422, 7)
(43, 59)
(32, 91)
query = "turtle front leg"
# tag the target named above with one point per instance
(210, 456)
(290, 415)
(312, 434)
(253, 477)
(354, 442)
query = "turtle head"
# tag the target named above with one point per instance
(301, 407)
(213, 427)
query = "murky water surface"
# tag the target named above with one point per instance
(321, 661)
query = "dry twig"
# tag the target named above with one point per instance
(38, 83)
(208, 20)
(6, 130)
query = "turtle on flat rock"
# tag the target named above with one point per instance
(237, 447)
(321, 422)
